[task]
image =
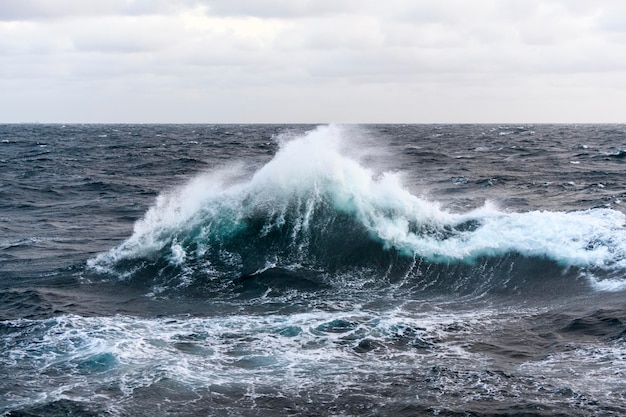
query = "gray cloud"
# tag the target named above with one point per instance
(19, 10)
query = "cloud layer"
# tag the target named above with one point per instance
(312, 61)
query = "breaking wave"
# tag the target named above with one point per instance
(315, 210)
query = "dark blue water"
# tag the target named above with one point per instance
(184, 270)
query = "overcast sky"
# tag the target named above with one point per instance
(313, 61)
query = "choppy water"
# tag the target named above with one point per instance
(461, 270)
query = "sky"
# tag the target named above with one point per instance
(313, 61)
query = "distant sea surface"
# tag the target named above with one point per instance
(288, 270)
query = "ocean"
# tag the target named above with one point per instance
(301, 270)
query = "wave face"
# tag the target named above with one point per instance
(314, 213)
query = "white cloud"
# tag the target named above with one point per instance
(312, 60)
(284, 8)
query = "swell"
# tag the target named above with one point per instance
(316, 211)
